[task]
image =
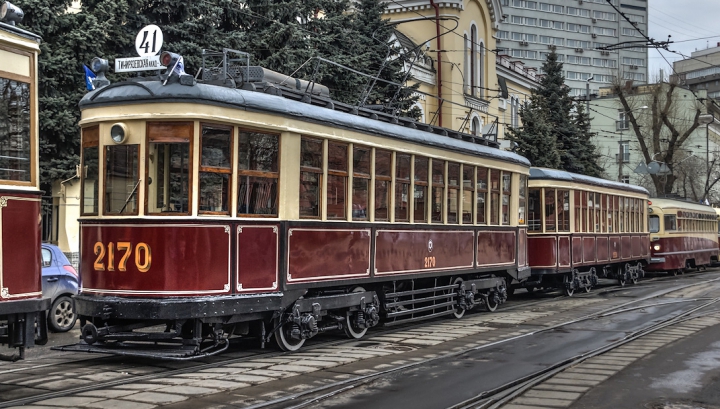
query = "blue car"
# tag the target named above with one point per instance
(60, 282)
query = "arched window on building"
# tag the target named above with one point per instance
(467, 69)
(480, 70)
(474, 60)
(476, 126)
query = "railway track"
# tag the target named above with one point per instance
(164, 370)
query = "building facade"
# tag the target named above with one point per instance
(618, 145)
(575, 30)
(458, 73)
(701, 71)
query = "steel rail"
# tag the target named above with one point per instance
(346, 385)
(336, 388)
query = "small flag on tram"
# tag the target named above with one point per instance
(89, 76)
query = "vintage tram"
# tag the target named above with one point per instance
(253, 204)
(22, 307)
(683, 235)
(581, 227)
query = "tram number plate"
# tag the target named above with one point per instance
(429, 262)
(122, 251)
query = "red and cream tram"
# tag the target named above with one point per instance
(265, 208)
(22, 308)
(580, 227)
(683, 235)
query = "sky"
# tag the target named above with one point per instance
(693, 25)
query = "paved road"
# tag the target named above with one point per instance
(433, 365)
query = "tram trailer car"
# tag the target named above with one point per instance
(22, 307)
(581, 227)
(254, 206)
(683, 235)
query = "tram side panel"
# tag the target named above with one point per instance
(155, 260)
(19, 215)
(676, 250)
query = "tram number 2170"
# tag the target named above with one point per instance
(122, 251)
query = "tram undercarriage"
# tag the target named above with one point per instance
(584, 279)
(194, 327)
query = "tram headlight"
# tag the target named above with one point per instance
(10, 13)
(656, 247)
(118, 132)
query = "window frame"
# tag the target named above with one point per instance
(191, 144)
(90, 141)
(105, 184)
(32, 82)
(217, 170)
(321, 178)
(238, 173)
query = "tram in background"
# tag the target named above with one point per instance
(580, 227)
(22, 307)
(684, 235)
(253, 204)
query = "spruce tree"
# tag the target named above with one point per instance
(552, 104)
(534, 139)
(588, 156)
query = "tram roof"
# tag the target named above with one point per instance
(561, 175)
(152, 91)
(664, 203)
(20, 32)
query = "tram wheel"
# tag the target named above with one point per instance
(491, 304)
(351, 330)
(676, 272)
(285, 341)
(621, 276)
(458, 312)
(588, 288)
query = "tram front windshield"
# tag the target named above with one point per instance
(654, 224)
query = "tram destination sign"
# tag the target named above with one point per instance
(146, 63)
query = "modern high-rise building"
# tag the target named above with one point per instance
(576, 29)
(701, 71)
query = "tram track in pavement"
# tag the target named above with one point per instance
(315, 397)
(533, 305)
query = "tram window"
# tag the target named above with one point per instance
(453, 192)
(610, 216)
(550, 210)
(215, 169)
(584, 211)
(121, 179)
(467, 199)
(258, 174)
(563, 200)
(421, 189)
(603, 213)
(15, 130)
(522, 195)
(494, 196)
(168, 167)
(90, 170)
(311, 159)
(402, 187)
(654, 223)
(591, 211)
(616, 214)
(361, 182)
(383, 176)
(670, 222)
(482, 192)
(337, 180)
(506, 190)
(598, 206)
(578, 211)
(534, 210)
(438, 189)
